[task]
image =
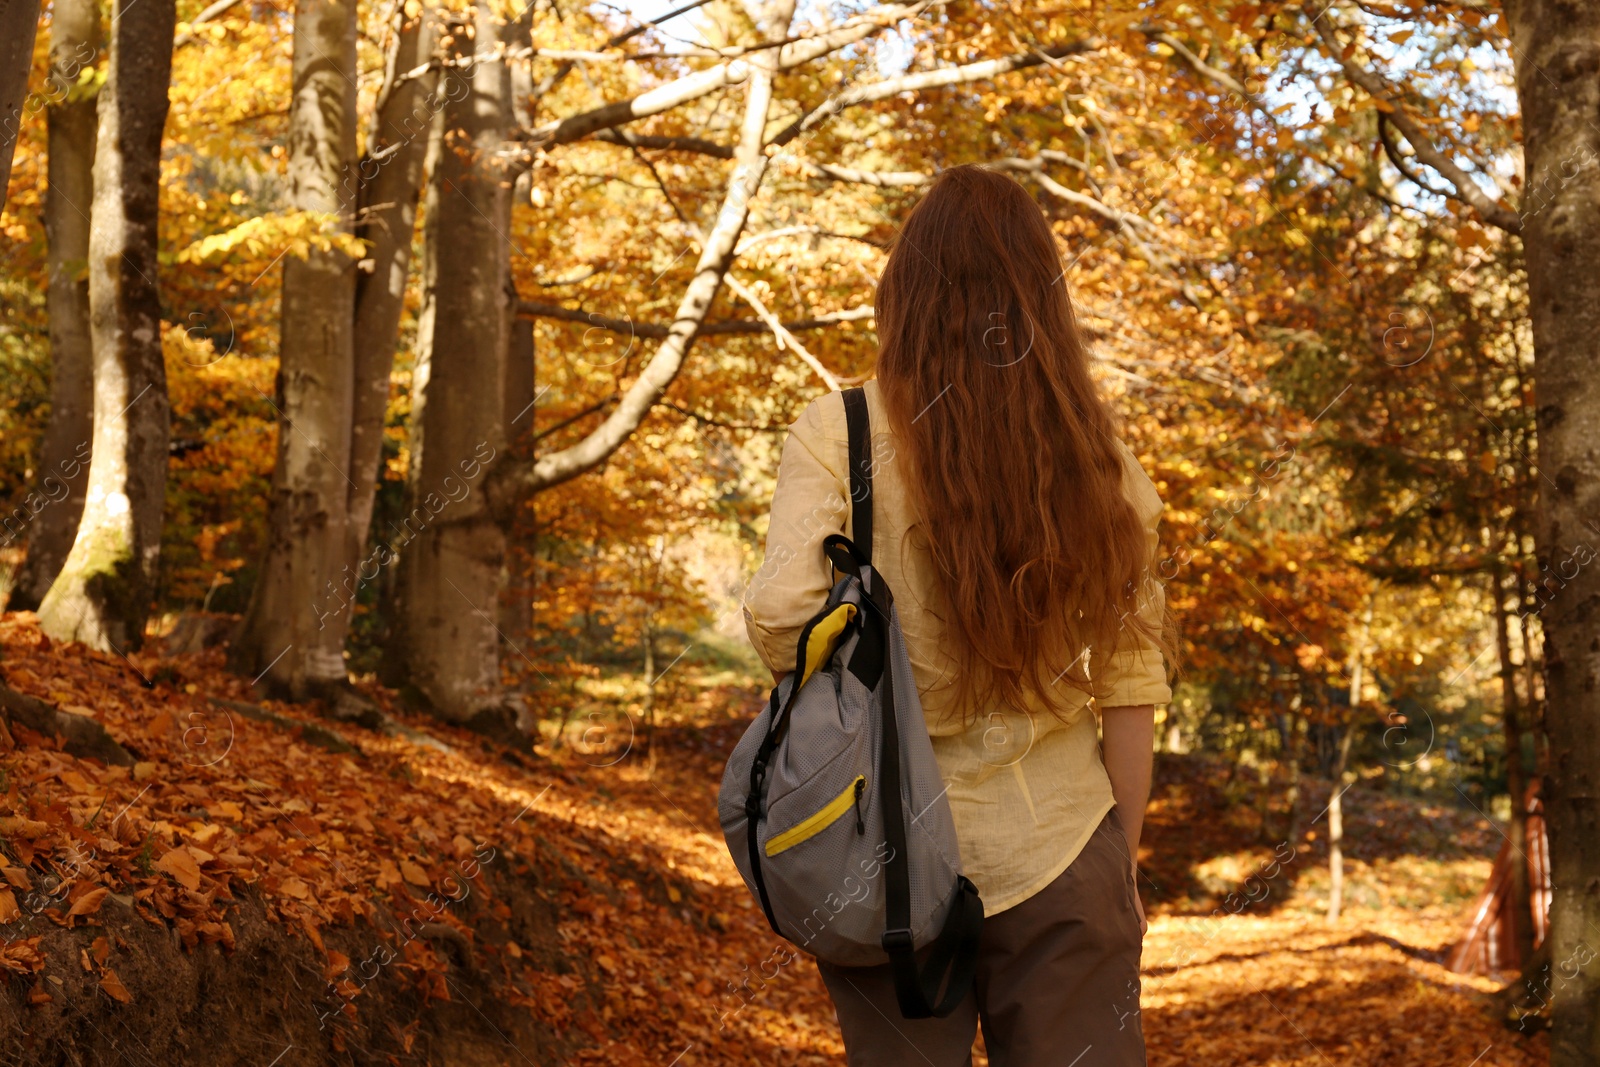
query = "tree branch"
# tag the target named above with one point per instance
(1383, 94)
(1392, 150)
(529, 309)
(939, 78)
(671, 144)
(1215, 75)
(210, 14)
(912, 179)
(512, 481)
(702, 82)
(883, 179)
(784, 338)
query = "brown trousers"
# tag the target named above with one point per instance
(1057, 981)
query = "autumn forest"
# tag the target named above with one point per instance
(392, 396)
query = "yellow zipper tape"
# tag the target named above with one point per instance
(815, 824)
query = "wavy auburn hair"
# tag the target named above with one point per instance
(1014, 464)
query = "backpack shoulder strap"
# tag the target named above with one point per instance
(859, 422)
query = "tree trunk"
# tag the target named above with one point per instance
(292, 638)
(1516, 782)
(1336, 826)
(1558, 82)
(446, 646)
(19, 24)
(1292, 753)
(103, 592)
(64, 453)
(519, 391)
(390, 181)
(516, 611)
(1341, 764)
(513, 482)
(392, 668)
(649, 709)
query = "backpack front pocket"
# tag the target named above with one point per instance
(832, 812)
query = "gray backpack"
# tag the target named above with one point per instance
(832, 804)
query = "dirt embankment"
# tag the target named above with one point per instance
(255, 884)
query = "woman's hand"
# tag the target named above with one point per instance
(1138, 905)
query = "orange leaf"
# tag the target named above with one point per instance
(414, 874)
(338, 963)
(9, 912)
(89, 903)
(182, 867)
(114, 988)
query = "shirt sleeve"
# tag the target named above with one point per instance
(1136, 673)
(809, 502)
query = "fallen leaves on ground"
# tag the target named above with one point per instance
(660, 956)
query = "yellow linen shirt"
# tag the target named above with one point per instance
(1026, 790)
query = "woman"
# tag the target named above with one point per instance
(1017, 532)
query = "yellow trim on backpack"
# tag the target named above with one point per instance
(824, 635)
(813, 825)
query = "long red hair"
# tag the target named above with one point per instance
(1014, 461)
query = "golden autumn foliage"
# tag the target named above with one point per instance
(1322, 362)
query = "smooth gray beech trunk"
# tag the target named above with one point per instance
(1558, 81)
(1341, 765)
(390, 179)
(103, 592)
(445, 646)
(516, 599)
(19, 25)
(292, 637)
(1516, 779)
(63, 463)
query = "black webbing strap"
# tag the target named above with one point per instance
(955, 950)
(859, 422)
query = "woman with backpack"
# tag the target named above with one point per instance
(1018, 534)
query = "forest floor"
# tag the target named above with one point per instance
(261, 886)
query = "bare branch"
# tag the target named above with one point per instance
(628, 35)
(939, 78)
(1035, 167)
(1392, 150)
(883, 179)
(673, 144)
(702, 82)
(716, 256)
(784, 338)
(529, 309)
(662, 98)
(1212, 74)
(1385, 97)
(210, 14)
